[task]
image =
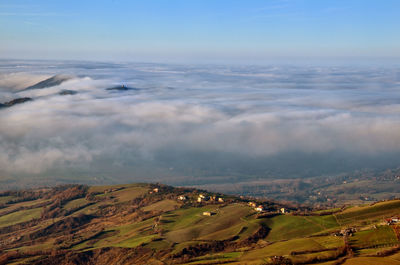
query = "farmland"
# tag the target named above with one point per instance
(158, 224)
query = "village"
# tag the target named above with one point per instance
(204, 199)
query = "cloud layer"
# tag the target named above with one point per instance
(187, 118)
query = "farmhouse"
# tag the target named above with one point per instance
(202, 198)
(252, 204)
(346, 232)
(111, 190)
(182, 198)
(259, 208)
(393, 220)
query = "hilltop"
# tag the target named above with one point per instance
(159, 224)
(49, 82)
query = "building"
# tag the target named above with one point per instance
(182, 198)
(259, 208)
(220, 199)
(207, 213)
(155, 190)
(252, 204)
(345, 232)
(282, 210)
(202, 198)
(393, 220)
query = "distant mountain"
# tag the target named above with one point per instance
(14, 102)
(67, 92)
(122, 88)
(52, 81)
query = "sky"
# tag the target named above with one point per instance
(245, 89)
(199, 30)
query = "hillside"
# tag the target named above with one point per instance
(158, 224)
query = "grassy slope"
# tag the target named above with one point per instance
(19, 217)
(5, 199)
(164, 205)
(225, 223)
(371, 261)
(368, 213)
(375, 237)
(285, 227)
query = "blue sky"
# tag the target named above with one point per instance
(199, 30)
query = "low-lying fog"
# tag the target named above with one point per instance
(188, 124)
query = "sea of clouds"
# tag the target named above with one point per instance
(198, 120)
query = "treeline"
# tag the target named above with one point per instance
(34, 194)
(55, 209)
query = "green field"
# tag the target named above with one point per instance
(164, 205)
(135, 241)
(368, 213)
(75, 203)
(285, 248)
(371, 261)
(383, 235)
(19, 217)
(187, 225)
(5, 199)
(284, 227)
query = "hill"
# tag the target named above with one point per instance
(14, 102)
(49, 82)
(158, 224)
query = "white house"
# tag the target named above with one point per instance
(259, 208)
(182, 198)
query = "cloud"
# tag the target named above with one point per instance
(19, 80)
(185, 117)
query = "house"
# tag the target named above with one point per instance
(392, 220)
(259, 208)
(216, 199)
(207, 213)
(182, 198)
(155, 190)
(111, 190)
(252, 204)
(348, 231)
(282, 210)
(345, 232)
(202, 198)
